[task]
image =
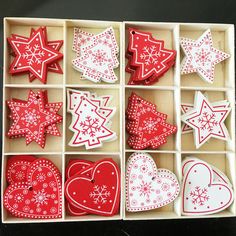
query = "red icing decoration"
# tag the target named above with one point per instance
(34, 117)
(17, 167)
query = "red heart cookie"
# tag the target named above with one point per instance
(17, 167)
(75, 166)
(38, 198)
(98, 194)
(74, 211)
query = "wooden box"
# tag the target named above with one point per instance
(167, 94)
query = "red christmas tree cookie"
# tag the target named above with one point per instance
(148, 59)
(146, 126)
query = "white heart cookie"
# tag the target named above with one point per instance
(147, 187)
(218, 175)
(201, 195)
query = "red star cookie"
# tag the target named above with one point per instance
(33, 55)
(31, 118)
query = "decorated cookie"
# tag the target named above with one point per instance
(40, 197)
(185, 107)
(98, 192)
(35, 55)
(17, 167)
(91, 118)
(34, 118)
(205, 189)
(207, 120)
(201, 57)
(218, 175)
(148, 59)
(148, 187)
(146, 126)
(96, 55)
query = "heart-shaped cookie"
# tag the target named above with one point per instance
(147, 187)
(17, 167)
(74, 211)
(218, 175)
(38, 198)
(201, 195)
(76, 165)
(99, 193)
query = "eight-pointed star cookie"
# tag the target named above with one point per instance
(31, 118)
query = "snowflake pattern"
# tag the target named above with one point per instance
(19, 198)
(207, 121)
(150, 55)
(40, 197)
(30, 117)
(100, 194)
(145, 189)
(199, 196)
(33, 54)
(20, 175)
(90, 126)
(99, 57)
(142, 110)
(150, 125)
(203, 57)
(41, 177)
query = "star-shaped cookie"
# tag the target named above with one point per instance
(31, 118)
(33, 55)
(201, 56)
(206, 120)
